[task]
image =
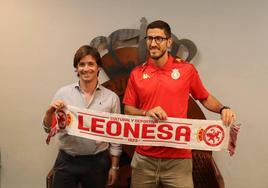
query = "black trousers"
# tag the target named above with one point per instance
(91, 171)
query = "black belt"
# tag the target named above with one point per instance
(93, 156)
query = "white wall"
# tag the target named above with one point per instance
(38, 40)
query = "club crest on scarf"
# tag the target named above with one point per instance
(212, 135)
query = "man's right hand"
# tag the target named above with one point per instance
(56, 105)
(50, 113)
(157, 113)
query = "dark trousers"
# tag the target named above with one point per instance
(90, 171)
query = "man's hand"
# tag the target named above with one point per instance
(56, 105)
(228, 117)
(50, 113)
(157, 113)
(112, 177)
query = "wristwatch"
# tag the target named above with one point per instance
(115, 167)
(224, 107)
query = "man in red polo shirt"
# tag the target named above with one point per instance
(160, 88)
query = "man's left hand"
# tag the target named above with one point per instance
(112, 177)
(228, 117)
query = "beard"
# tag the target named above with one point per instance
(156, 57)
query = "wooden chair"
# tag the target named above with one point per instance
(205, 171)
(49, 178)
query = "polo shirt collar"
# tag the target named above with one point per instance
(166, 66)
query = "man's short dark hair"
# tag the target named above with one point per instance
(160, 25)
(84, 51)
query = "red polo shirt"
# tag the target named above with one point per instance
(169, 87)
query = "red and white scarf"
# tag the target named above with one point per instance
(140, 130)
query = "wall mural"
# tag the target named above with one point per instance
(182, 48)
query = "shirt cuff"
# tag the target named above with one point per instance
(115, 149)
